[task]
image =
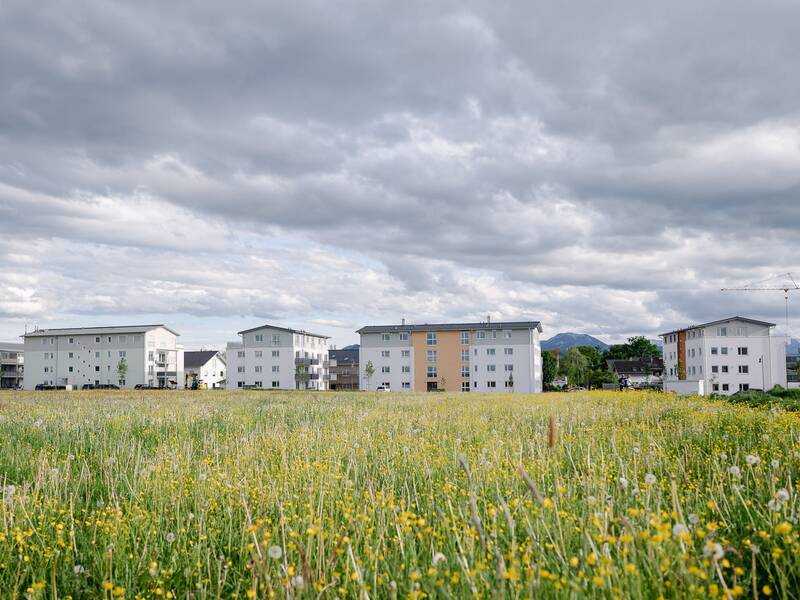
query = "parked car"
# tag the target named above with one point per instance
(87, 386)
(381, 388)
(144, 386)
(107, 386)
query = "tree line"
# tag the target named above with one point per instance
(586, 366)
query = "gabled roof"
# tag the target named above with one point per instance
(720, 322)
(96, 330)
(635, 366)
(192, 360)
(452, 327)
(299, 331)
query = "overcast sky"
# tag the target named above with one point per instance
(604, 167)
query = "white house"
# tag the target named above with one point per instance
(12, 365)
(92, 356)
(724, 357)
(278, 358)
(479, 357)
(206, 366)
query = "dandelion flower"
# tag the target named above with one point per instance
(782, 495)
(623, 482)
(735, 471)
(775, 505)
(298, 582)
(78, 569)
(713, 550)
(170, 537)
(752, 460)
(591, 500)
(275, 552)
(679, 530)
(650, 479)
(439, 557)
(775, 463)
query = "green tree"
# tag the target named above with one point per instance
(575, 364)
(122, 370)
(369, 371)
(593, 355)
(549, 368)
(636, 347)
(301, 375)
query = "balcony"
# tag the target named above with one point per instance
(305, 362)
(306, 377)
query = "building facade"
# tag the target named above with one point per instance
(725, 357)
(12, 365)
(278, 358)
(464, 357)
(638, 371)
(344, 369)
(207, 367)
(92, 356)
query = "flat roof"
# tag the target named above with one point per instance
(452, 327)
(300, 331)
(96, 330)
(712, 323)
(12, 346)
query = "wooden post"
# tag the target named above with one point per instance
(553, 431)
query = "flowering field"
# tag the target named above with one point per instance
(256, 495)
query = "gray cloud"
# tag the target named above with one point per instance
(602, 167)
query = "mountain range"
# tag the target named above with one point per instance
(565, 341)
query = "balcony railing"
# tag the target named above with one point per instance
(306, 361)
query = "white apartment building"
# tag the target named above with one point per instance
(12, 365)
(724, 357)
(208, 367)
(92, 355)
(278, 358)
(478, 357)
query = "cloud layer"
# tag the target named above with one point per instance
(601, 167)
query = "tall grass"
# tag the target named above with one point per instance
(257, 495)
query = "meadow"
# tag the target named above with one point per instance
(207, 495)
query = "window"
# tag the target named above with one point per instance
(122, 382)
(491, 384)
(508, 351)
(276, 368)
(481, 335)
(507, 335)
(742, 350)
(490, 352)
(276, 339)
(431, 355)
(109, 339)
(47, 369)
(258, 353)
(431, 371)
(386, 384)
(464, 337)
(722, 332)
(406, 385)
(161, 356)
(71, 355)
(715, 387)
(490, 368)
(405, 353)
(724, 368)
(259, 337)
(240, 369)
(465, 370)
(386, 337)
(465, 386)
(509, 368)
(71, 340)
(276, 353)
(723, 351)
(725, 387)
(123, 354)
(258, 384)
(240, 383)
(257, 368)
(97, 369)
(476, 352)
(405, 369)
(744, 369)
(691, 353)
(403, 337)
(465, 355)
(276, 384)
(97, 340)
(431, 338)
(741, 331)
(149, 355)
(509, 383)
(240, 354)
(743, 387)
(385, 353)
(714, 369)
(386, 369)
(714, 350)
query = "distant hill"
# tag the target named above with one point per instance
(565, 341)
(352, 347)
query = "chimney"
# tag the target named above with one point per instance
(403, 321)
(488, 318)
